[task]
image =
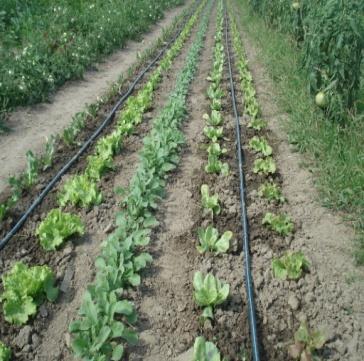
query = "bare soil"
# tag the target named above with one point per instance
(31, 125)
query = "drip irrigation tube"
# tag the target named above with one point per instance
(87, 143)
(244, 217)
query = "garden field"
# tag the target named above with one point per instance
(173, 219)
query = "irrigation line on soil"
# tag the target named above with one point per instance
(244, 217)
(88, 142)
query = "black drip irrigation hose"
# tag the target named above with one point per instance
(244, 217)
(88, 142)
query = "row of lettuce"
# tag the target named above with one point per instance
(25, 288)
(291, 265)
(209, 291)
(70, 136)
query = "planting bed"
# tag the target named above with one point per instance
(130, 285)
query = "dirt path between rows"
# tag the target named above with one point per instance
(30, 125)
(331, 297)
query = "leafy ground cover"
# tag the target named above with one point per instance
(46, 43)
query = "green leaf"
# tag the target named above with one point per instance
(141, 261)
(205, 351)
(117, 353)
(281, 223)
(57, 227)
(5, 352)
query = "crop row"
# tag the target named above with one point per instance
(44, 45)
(290, 265)
(35, 165)
(96, 331)
(26, 287)
(209, 291)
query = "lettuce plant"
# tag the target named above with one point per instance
(205, 351)
(80, 190)
(214, 149)
(280, 223)
(216, 104)
(215, 165)
(5, 352)
(272, 192)
(290, 265)
(213, 133)
(57, 227)
(210, 240)
(214, 92)
(209, 292)
(306, 343)
(260, 145)
(210, 204)
(24, 289)
(264, 166)
(31, 173)
(257, 124)
(215, 119)
(97, 166)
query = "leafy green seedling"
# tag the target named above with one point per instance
(272, 192)
(24, 289)
(3, 211)
(264, 166)
(215, 119)
(216, 105)
(280, 223)
(210, 204)
(31, 173)
(209, 292)
(215, 165)
(215, 150)
(80, 190)
(5, 352)
(306, 343)
(213, 133)
(290, 266)
(214, 92)
(257, 124)
(97, 166)
(210, 240)
(260, 145)
(57, 227)
(205, 351)
(50, 148)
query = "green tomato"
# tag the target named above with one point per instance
(321, 99)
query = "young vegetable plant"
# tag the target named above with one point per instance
(5, 352)
(215, 119)
(210, 204)
(57, 227)
(24, 289)
(97, 166)
(257, 124)
(31, 174)
(214, 149)
(280, 223)
(209, 292)
(264, 166)
(205, 351)
(290, 266)
(306, 343)
(260, 145)
(272, 192)
(213, 133)
(210, 240)
(47, 157)
(215, 165)
(80, 190)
